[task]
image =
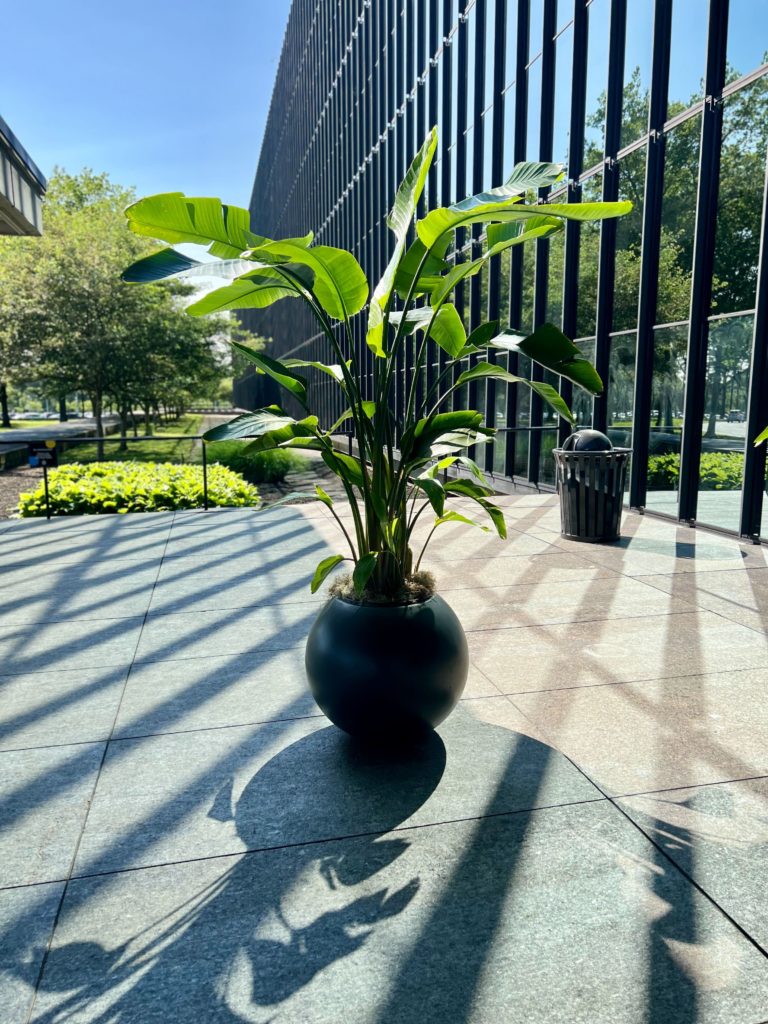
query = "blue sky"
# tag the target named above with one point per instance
(164, 95)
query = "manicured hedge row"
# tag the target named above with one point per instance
(257, 467)
(108, 487)
(720, 471)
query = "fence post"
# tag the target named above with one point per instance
(205, 479)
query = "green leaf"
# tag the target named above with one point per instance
(264, 421)
(253, 290)
(536, 227)
(481, 336)
(442, 219)
(174, 217)
(547, 392)
(763, 436)
(448, 331)
(434, 492)
(345, 466)
(321, 572)
(369, 408)
(429, 277)
(340, 284)
(525, 177)
(447, 326)
(549, 347)
(362, 571)
(418, 439)
(399, 221)
(333, 370)
(168, 263)
(323, 496)
(456, 517)
(468, 488)
(456, 440)
(285, 377)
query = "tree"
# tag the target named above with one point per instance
(69, 323)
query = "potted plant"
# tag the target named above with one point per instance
(386, 656)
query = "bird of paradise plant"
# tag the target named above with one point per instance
(397, 474)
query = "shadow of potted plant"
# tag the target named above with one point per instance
(387, 657)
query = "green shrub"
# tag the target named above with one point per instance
(720, 471)
(257, 467)
(106, 487)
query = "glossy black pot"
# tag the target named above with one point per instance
(387, 673)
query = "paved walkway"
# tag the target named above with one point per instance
(183, 838)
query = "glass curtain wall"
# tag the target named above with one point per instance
(665, 104)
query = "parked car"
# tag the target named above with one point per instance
(736, 416)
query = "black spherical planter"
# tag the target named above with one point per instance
(387, 673)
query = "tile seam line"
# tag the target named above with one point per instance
(255, 850)
(693, 785)
(73, 859)
(692, 881)
(626, 682)
(204, 728)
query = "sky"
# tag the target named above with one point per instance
(163, 95)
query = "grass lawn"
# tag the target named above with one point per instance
(31, 424)
(151, 450)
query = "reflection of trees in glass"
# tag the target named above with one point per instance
(728, 355)
(742, 166)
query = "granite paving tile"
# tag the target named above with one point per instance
(565, 914)
(73, 706)
(200, 693)
(102, 590)
(171, 797)
(27, 915)
(562, 601)
(44, 794)
(225, 631)
(740, 595)
(192, 592)
(69, 644)
(614, 650)
(659, 733)
(550, 567)
(719, 836)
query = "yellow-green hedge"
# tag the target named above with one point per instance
(108, 487)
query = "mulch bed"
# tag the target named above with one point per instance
(13, 482)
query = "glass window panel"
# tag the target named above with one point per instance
(589, 251)
(499, 453)
(747, 36)
(564, 13)
(510, 72)
(488, 181)
(471, 31)
(597, 80)
(740, 200)
(523, 409)
(536, 30)
(581, 405)
(509, 132)
(548, 414)
(621, 389)
(563, 76)
(546, 458)
(555, 279)
(534, 111)
(724, 428)
(667, 394)
(637, 70)
(470, 159)
(520, 467)
(490, 50)
(629, 241)
(529, 270)
(678, 216)
(687, 58)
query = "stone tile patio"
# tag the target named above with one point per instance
(183, 837)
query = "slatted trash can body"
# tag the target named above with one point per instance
(591, 489)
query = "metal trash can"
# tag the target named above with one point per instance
(591, 489)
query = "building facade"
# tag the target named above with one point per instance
(22, 187)
(663, 102)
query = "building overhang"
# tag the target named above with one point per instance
(22, 187)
